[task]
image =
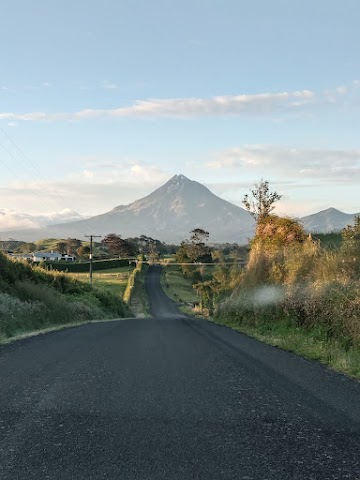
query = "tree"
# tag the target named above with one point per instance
(26, 248)
(261, 201)
(117, 246)
(351, 233)
(195, 249)
(72, 244)
(61, 246)
(351, 247)
(83, 251)
(198, 250)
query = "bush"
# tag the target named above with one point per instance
(32, 298)
(84, 267)
(291, 278)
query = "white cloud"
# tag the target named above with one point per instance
(109, 86)
(11, 220)
(15, 220)
(100, 184)
(262, 103)
(291, 162)
(274, 103)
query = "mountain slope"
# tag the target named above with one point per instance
(168, 213)
(329, 220)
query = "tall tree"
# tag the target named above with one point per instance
(72, 244)
(61, 246)
(195, 249)
(117, 246)
(261, 202)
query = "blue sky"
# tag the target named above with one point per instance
(101, 102)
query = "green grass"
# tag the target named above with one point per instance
(178, 288)
(309, 343)
(114, 280)
(331, 241)
(32, 298)
(139, 301)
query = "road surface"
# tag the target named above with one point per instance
(171, 397)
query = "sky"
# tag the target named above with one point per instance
(102, 102)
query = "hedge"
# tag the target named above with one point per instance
(73, 267)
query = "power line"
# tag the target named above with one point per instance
(91, 254)
(31, 168)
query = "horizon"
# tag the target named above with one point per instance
(105, 113)
(71, 216)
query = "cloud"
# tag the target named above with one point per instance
(277, 104)
(15, 220)
(100, 184)
(11, 220)
(109, 86)
(113, 170)
(262, 103)
(5, 89)
(291, 162)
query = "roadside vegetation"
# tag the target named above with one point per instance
(32, 298)
(113, 280)
(136, 296)
(297, 291)
(179, 288)
(299, 294)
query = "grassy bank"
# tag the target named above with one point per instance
(138, 299)
(312, 343)
(179, 288)
(113, 281)
(300, 296)
(34, 299)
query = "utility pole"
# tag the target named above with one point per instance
(91, 254)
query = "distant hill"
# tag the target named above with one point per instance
(329, 220)
(171, 211)
(168, 214)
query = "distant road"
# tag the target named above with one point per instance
(171, 397)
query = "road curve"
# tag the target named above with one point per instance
(171, 397)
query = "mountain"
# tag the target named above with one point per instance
(168, 214)
(329, 220)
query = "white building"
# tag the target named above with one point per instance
(46, 256)
(52, 257)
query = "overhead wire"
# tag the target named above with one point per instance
(31, 168)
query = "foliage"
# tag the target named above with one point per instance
(117, 246)
(41, 298)
(83, 251)
(350, 247)
(25, 248)
(195, 250)
(291, 279)
(132, 279)
(145, 245)
(73, 267)
(331, 241)
(261, 202)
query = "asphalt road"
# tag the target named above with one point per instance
(171, 397)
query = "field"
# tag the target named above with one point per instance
(178, 288)
(114, 280)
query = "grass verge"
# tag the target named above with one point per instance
(33, 299)
(312, 343)
(113, 281)
(53, 328)
(179, 288)
(139, 300)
